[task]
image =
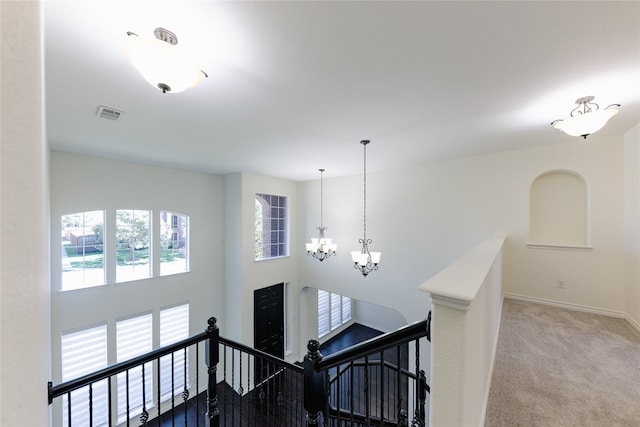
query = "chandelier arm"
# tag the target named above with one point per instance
(612, 105)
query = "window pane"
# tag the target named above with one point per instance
(134, 337)
(132, 245)
(82, 250)
(271, 226)
(174, 243)
(84, 352)
(174, 326)
(323, 313)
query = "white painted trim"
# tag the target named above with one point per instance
(635, 325)
(485, 404)
(561, 247)
(569, 306)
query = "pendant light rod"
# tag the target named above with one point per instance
(321, 247)
(364, 260)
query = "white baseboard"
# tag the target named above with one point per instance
(567, 305)
(635, 325)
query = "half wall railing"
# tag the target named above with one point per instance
(372, 383)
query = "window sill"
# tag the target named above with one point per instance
(582, 248)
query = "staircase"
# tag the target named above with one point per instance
(376, 382)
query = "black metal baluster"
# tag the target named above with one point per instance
(185, 392)
(126, 383)
(144, 417)
(173, 388)
(91, 405)
(240, 390)
(159, 386)
(351, 380)
(381, 387)
(224, 381)
(197, 384)
(366, 389)
(398, 384)
(69, 409)
(417, 419)
(110, 400)
(233, 385)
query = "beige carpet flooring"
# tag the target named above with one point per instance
(558, 367)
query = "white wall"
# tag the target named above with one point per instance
(82, 183)
(632, 223)
(241, 192)
(24, 253)
(424, 218)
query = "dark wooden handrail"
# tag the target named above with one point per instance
(261, 354)
(374, 345)
(69, 386)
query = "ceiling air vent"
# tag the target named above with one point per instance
(108, 113)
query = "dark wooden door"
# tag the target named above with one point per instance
(268, 327)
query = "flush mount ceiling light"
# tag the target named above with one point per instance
(161, 63)
(364, 260)
(586, 118)
(321, 248)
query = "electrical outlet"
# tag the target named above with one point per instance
(561, 284)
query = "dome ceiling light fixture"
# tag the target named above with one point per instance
(161, 63)
(586, 118)
(321, 247)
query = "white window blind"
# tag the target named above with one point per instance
(334, 310)
(336, 318)
(84, 352)
(323, 313)
(174, 326)
(134, 336)
(346, 309)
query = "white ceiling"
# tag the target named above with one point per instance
(294, 86)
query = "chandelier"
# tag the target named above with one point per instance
(364, 260)
(586, 118)
(161, 63)
(321, 248)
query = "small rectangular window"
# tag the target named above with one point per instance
(174, 243)
(84, 352)
(133, 245)
(271, 226)
(83, 250)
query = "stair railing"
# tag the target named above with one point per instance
(338, 388)
(211, 338)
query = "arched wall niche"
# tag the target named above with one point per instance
(559, 210)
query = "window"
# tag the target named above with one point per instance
(174, 327)
(84, 352)
(82, 250)
(132, 245)
(174, 239)
(133, 338)
(334, 310)
(271, 226)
